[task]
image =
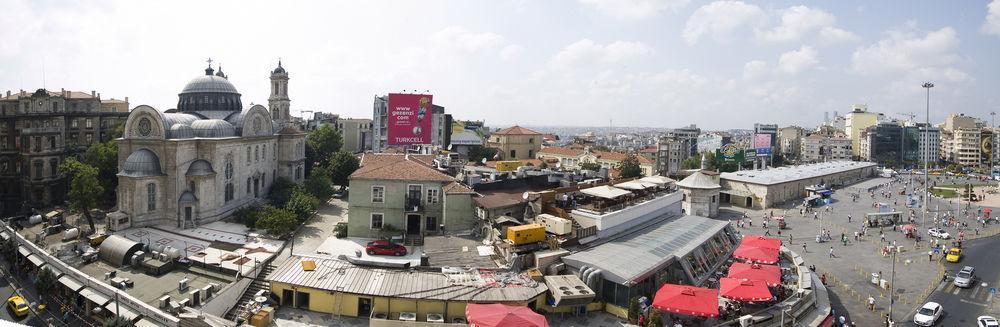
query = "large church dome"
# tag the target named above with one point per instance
(209, 92)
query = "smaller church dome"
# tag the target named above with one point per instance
(200, 167)
(279, 70)
(213, 128)
(141, 163)
(181, 131)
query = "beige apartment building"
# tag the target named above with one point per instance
(356, 133)
(819, 148)
(515, 143)
(856, 121)
(960, 140)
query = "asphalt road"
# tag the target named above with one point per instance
(962, 306)
(6, 290)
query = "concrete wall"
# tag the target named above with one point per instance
(459, 212)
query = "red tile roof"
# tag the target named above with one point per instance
(397, 167)
(516, 130)
(456, 188)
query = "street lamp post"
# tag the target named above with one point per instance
(927, 139)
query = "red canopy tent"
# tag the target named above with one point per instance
(769, 274)
(907, 227)
(744, 290)
(688, 300)
(491, 315)
(761, 241)
(756, 254)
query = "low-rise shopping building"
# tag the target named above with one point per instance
(765, 188)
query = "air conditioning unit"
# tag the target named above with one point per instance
(182, 285)
(408, 316)
(164, 301)
(380, 315)
(459, 320)
(435, 317)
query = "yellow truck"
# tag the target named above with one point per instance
(525, 234)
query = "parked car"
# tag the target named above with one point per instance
(987, 321)
(954, 254)
(939, 233)
(18, 306)
(385, 247)
(965, 277)
(928, 314)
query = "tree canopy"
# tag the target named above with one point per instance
(630, 167)
(340, 167)
(590, 166)
(276, 221)
(302, 204)
(319, 185)
(323, 142)
(84, 187)
(281, 191)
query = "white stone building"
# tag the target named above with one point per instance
(210, 156)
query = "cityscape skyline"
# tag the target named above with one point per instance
(638, 63)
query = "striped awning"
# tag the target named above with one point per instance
(70, 283)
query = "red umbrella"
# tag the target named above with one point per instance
(769, 274)
(744, 290)
(756, 254)
(907, 227)
(761, 241)
(490, 315)
(688, 300)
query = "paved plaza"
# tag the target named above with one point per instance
(850, 267)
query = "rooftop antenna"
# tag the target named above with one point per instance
(43, 74)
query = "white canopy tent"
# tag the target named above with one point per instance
(605, 191)
(635, 185)
(658, 180)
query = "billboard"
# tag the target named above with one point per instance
(409, 120)
(728, 153)
(510, 165)
(762, 143)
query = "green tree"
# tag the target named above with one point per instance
(323, 142)
(46, 282)
(104, 157)
(8, 248)
(692, 162)
(84, 188)
(281, 191)
(318, 184)
(340, 167)
(117, 321)
(603, 148)
(302, 204)
(589, 166)
(630, 167)
(277, 222)
(246, 216)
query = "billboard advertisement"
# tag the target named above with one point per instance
(762, 143)
(409, 120)
(729, 153)
(510, 165)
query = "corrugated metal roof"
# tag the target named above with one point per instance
(793, 173)
(336, 275)
(632, 256)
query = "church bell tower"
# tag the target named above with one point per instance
(278, 102)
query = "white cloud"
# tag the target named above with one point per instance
(459, 38)
(511, 52)
(586, 53)
(754, 69)
(833, 35)
(906, 50)
(720, 19)
(992, 23)
(797, 61)
(797, 22)
(634, 9)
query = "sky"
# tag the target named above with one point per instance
(648, 63)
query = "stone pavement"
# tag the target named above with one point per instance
(849, 271)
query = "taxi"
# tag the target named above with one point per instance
(18, 306)
(954, 254)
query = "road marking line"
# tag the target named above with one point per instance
(940, 286)
(972, 303)
(955, 292)
(975, 293)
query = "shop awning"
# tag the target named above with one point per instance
(605, 191)
(36, 260)
(635, 185)
(4, 236)
(23, 251)
(743, 290)
(144, 322)
(70, 283)
(756, 254)
(761, 241)
(95, 297)
(125, 311)
(687, 300)
(769, 274)
(659, 180)
(496, 315)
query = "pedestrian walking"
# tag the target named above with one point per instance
(804, 248)
(930, 256)
(790, 238)
(831, 252)
(871, 303)
(848, 218)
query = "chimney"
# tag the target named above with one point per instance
(8, 93)
(93, 94)
(98, 95)
(126, 100)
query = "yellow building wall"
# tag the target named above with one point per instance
(860, 121)
(616, 310)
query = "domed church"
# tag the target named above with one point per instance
(200, 162)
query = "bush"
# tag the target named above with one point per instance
(246, 216)
(340, 230)
(318, 184)
(281, 191)
(302, 204)
(277, 222)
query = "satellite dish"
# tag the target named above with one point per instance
(484, 161)
(524, 196)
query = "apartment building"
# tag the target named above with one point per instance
(820, 148)
(857, 121)
(670, 153)
(515, 143)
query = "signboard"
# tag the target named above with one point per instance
(749, 154)
(409, 120)
(728, 153)
(762, 142)
(510, 165)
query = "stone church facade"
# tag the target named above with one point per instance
(209, 157)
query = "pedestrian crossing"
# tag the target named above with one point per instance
(977, 294)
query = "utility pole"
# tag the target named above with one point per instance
(927, 139)
(892, 280)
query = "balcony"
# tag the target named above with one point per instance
(413, 205)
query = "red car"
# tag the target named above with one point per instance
(384, 247)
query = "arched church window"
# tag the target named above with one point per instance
(248, 185)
